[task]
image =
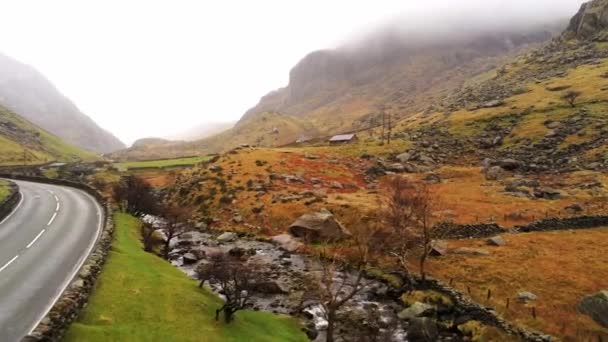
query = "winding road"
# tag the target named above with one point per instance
(43, 243)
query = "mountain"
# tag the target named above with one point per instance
(23, 142)
(201, 131)
(28, 93)
(346, 89)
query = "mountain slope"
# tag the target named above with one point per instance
(28, 93)
(23, 142)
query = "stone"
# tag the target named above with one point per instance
(268, 287)
(495, 173)
(547, 193)
(510, 164)
(237, 219)
(336, 185)
(396, 167)
(574, 209)
(596, 307)
(319, 226)
(404, 157)
(257, 209)
(438, 248)
(287, 242)
(189, 258)
(470, 251)
(496, 241)
(227, 237)
(433, 178)
(526, 296)
(422, 330)
(492, 104)
(417, 309)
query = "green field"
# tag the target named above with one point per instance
(4, 190)
(140, 297)
(160, 163)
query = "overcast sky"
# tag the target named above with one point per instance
(152, 68)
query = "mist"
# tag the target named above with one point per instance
(143, 68)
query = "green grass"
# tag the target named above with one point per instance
(160, 163)
(4, 190)
(140, 297)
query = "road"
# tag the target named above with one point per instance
(43, 243)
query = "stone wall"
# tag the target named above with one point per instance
(10, 202)
(488, 316)
(69, 305)
(579, 222)
(449, 230)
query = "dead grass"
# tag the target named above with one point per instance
(559, 267)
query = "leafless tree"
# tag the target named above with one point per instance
(407, 210)
(147, 234)
(176, 222)
(235, 280)
(135, 196)
(334, 289)
(571, 96)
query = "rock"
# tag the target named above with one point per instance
(422, 330)
(496, 241)
(268, 287)
(547, 193)
(201, 225)
(237, 219)
(438, 248)
(510, 164)
(417, 309)
(574, 209)
(287, 242)
(257, 209)
(318, 226)
(495, 173)
(432, 178)
(189, 258)
(526, 296)
(492, 104)
(470, 251)
(552, 124)
(596, 307)
(227, 237)
(336, 185)
(397, 167)
(404, 157)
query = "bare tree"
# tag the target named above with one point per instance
(389, 128)
(571, 96)
(134, 195)
(334, 289)
(235, 280)
(407, 210)
(176, 223)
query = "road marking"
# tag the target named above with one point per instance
(36, 238)
(81, 261)
(57, 208)
(8, 263)
(56, 198)
(14, 210)
(52, 219)
(51, 192)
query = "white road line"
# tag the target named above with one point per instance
(81, 261)
(56, 198)
(14, 210)
(51, 192)
(36, 238)
(52, 219)
(57, 208)
(8, 263)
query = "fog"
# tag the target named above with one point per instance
(153, 68)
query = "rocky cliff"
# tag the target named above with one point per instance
(590, 22)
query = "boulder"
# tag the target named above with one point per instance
(496, 241)
(189, 258)
(422, 330)
(319, 226)
(494, 173)
(526, 296)
(574, 209)
(268, 287)
(404, 157)
(336, 185)
(397, 167)
(510, 164)
(417, 309)
(227, 237)
(492, 104)
(287, 242)
(596, 307)
(547, 193)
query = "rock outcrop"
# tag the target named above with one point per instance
(590, 22)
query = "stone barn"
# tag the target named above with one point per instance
(343, 139)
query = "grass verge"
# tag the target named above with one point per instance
(140, 297)
(160, 163)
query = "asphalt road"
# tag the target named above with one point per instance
(43, 243)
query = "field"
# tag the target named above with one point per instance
(559, 267)
(165, 163)
(4, 190)
(140, 297)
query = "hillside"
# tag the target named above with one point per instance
(28, 93)
(23, 142)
